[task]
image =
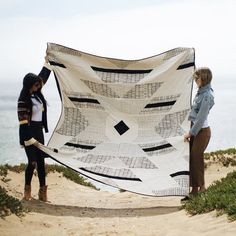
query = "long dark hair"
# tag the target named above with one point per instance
(41, 97)
(29, 80)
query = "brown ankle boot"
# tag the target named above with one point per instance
(27, 193)
(43, 193)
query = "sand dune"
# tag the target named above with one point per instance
(77, 210)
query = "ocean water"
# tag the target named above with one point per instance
(11, 152)
(222, 118)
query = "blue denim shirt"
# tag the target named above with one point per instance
(202, 103)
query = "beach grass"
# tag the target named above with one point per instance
(66, 172)
(9, 205)
(220, 196)
(225, 157)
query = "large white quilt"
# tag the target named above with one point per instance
(123, 121)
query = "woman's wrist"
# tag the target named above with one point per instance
(48, 66)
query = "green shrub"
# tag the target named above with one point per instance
(3, 170)
(3, 174)
(69, 174)
(225, 157)
(220, 196)
(9, 205)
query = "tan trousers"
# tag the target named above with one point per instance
(198, 145)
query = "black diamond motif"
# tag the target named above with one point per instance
(121, 127)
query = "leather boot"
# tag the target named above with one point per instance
(43, 193)
(27, 193)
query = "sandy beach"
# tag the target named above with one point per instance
(78, 210)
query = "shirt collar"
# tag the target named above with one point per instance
(204, 89)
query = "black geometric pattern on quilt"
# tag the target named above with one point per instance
(120, 75)
(74, 122)
(122, 174)
(138, 162)
(141, 91)
(121, 127)
(170, 124)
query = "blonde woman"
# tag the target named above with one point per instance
(200, 133)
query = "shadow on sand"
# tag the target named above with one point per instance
(76, 211)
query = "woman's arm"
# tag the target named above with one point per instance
(45, 72)
(26, 137)
(201, 116)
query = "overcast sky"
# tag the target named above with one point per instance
(127, 29)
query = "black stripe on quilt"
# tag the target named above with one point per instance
(184, 66)
(53, 63)
(80, 146)
(160, 104)
(121, 71)
(87, 100)
(151, 149)
(180, 173)
(109, 176)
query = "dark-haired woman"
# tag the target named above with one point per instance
(32, 115)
